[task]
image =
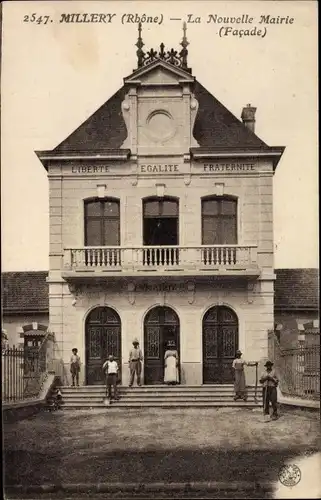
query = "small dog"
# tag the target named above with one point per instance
(54, 402)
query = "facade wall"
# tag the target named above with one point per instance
(162, 93)
(253, 192)
(254, 310)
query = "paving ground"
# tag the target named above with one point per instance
(146, 446)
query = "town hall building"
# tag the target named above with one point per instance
(161, 228)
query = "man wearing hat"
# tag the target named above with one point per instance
(135, 363)
(269, 382)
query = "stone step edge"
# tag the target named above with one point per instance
(163, 405)
(157, 487)
(168, 391)
(162, 386)
(155, 400)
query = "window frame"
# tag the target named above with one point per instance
(102, 218)
(220, 216)
(161, 199)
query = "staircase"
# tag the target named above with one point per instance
(152, 396)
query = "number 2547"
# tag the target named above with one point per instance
(36, 19)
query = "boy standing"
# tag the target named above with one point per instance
(270, 382)
(75, 366)
(111, 368)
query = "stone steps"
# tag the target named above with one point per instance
(158, 396)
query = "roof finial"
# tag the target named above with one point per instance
(140, 44)
(184, 43)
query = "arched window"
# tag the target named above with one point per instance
(219, 221)
(102, 222)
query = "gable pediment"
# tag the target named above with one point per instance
(159, 73)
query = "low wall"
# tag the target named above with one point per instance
(24, 409)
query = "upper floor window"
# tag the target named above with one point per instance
(219, 221)
(160, 221)
(102, 222)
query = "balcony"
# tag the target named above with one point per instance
(230, 260)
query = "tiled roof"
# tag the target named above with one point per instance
(25, 292)
(215, 126)
(28, 291)
(105, 129)
(297, 289)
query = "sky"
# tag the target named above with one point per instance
(55, 75)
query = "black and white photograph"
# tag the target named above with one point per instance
(160, 249)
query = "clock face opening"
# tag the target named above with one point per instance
(160, 126)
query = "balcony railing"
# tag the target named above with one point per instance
(204, 257)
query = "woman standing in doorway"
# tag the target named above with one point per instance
(171, 375)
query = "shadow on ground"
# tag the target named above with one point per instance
(32, 468)
(176, 447)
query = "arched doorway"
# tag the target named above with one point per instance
(161, 325)
(103, 337)
(220, 341)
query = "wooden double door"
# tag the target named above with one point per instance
(161, 325)
(103, 337)
(220, 342)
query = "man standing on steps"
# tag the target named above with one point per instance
(111, 369)
(135, 363)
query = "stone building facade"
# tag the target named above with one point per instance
(161, 228)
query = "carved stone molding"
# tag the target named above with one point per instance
(191, 292)
(125, 107)
(163, 298)
(131, 293)
(187, 179)
(101, 190)
(219, 188)
(160, 190)
(194, 109)
(252, 288)
(134, 180)
(74, 290)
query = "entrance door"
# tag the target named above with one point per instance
(220, 342)
(103, 337)
(161, 325)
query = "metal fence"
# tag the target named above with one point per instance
(19, 368)
(25, 370)
(298, 368)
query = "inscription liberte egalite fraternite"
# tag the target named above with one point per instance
(164, 168)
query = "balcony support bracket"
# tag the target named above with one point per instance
(131, 293)
(252, 287)
(191, 292)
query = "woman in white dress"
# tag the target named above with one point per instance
(171, 374)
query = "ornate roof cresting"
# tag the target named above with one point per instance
(174, 57)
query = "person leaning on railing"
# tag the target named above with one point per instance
(239, 375)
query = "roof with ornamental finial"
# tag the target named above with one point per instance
(174, 57)
(215, 128)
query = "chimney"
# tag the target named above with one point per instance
(248, 117)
